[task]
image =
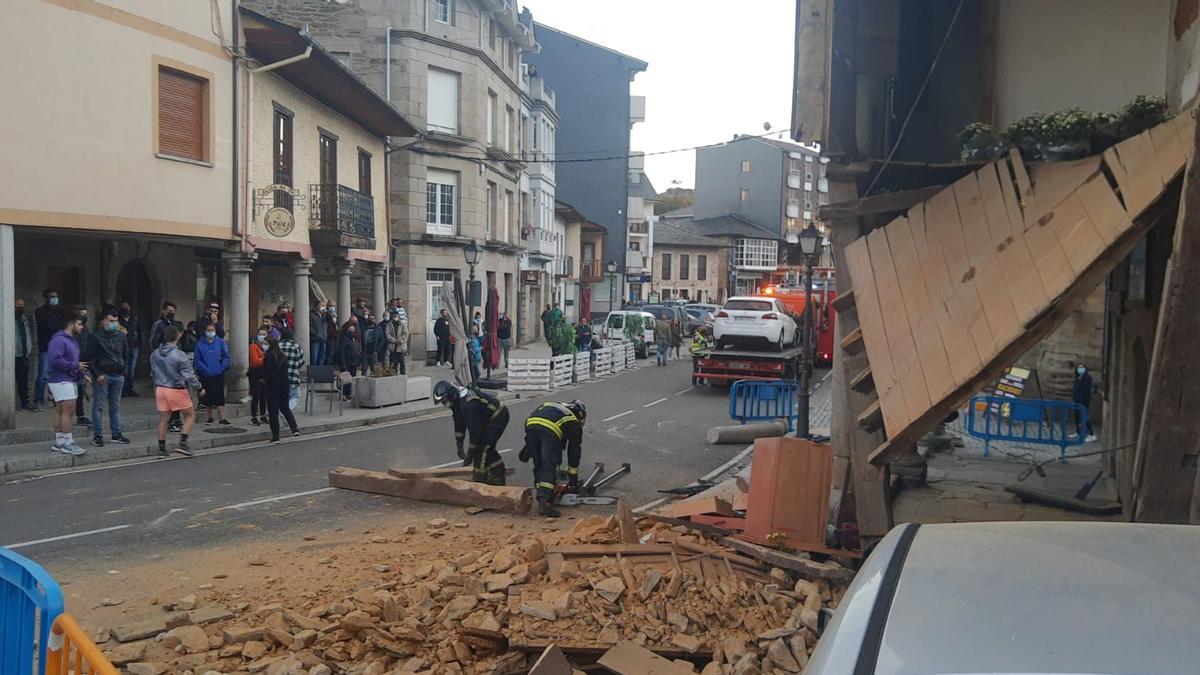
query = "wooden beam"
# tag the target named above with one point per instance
(889, 202)
(871, 418)
(1035, 330)
(805, 567)
(852, 344)
(442, 490)
(863, 383)
(627, 525)
(844, 302)
(1166, 488)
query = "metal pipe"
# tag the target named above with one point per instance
(285, 62)
(625, 468)
(802, 412)
(235, 212)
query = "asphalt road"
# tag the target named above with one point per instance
(650, 418)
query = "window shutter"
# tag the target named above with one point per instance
(443, 101)
(180, 114)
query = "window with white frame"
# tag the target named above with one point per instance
(492, 102)
(442, 101)
(760, 254)
(808, 158)
(443, 10)
(745, 195)
(506, 216)
(441, 188)
(745, 166)
(510, 129)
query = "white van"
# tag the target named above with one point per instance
(614, 329)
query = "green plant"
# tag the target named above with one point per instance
(1026, 131)
(562, 339)
(1142, 113)
(974, 131)
(1066, 126)
(635, 328)
(980, 142)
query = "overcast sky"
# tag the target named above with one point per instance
(716, 68)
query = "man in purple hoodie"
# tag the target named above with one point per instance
(63, 371)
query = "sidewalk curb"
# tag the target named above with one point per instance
(95, 456)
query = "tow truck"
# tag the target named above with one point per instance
(728, 365)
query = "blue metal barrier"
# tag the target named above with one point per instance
(1024, 420)
(30, 601)
(751, 400)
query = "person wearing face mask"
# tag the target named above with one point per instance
(317, 335)
(64, 371)
(1081, 393)
(210, 361)
(258, 401)
(133, 338)
(157, 339)
(332, 334)
(349, 354)
(26, 351)
(212, 314)
(81, 340)
(48, 320)
(105, 355)
(397, 342)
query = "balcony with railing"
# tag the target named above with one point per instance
(541, 243)
(564, 266)
(592, 271)
(340, 217)
(637, 109)
(639, 228)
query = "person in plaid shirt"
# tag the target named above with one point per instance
(295, 361)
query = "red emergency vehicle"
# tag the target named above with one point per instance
(823, 294)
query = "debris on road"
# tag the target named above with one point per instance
(634, 594)
(511, 499)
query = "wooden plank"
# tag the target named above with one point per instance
(1024, 185)
(863, 382)
(942, 215)
(1046, 322)
(789, 491)
(1054, 181)
(871, 418)
(999, 318)
(627, 526)
(511, 499)
(805, 567)
(852, 344)
(1140, 186)
(1007, 256)
(692, 507)
(906, 366)
(844, 302)
(1108, 216)
(870, 319)
(931, 353)
(552, 662)
(1076, 234)
(1166, 489)
(960, 349)
(600, 550)
(594, 651)
(1049, 259)
(893, 407)
(443, 472)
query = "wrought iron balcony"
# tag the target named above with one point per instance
(592, 271)
(341, 217)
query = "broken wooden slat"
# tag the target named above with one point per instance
(947, 312)
(889, 202)
(485, 640)
(805, 567)
(863, 382)
(627, 526)
(871, 418)
(511, 499)
(853, 342)
(844, 303)
(551, 662)
(569, 550)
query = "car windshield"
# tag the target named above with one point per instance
(749, 305)
(662, 312)
(616, 321)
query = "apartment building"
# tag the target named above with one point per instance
(120, 145)
(591, 84)
(641, 222)
(545, 238)
(775, 183)
(453, 68)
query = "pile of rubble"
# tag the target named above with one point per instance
(673, 596)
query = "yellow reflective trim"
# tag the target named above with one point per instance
(549, 486)
(540, 422)
(574, 470)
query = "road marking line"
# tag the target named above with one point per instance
(826, 376)
(652, 403)
(458, 462)
(650, 505)
(609, 419)
(678, 393)
(61, 537)
(161, 519)
(276, 498)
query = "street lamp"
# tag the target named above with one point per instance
(810, 241)
(471, 253)
(611, 268)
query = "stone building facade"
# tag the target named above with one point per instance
(452, 67)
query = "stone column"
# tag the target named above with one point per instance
(343, 268)
(237, 323)
(8, 335)
(300, 309)
(378, 289)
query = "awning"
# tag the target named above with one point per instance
(952, 292)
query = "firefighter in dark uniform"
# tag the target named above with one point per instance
(481, 416)
(548, 429)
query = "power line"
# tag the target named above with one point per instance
(553, 159)
(920, 92)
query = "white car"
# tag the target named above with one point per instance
(754, 319)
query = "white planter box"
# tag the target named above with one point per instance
(378, 392)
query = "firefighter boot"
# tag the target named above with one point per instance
(546, 507)
(496, 474)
